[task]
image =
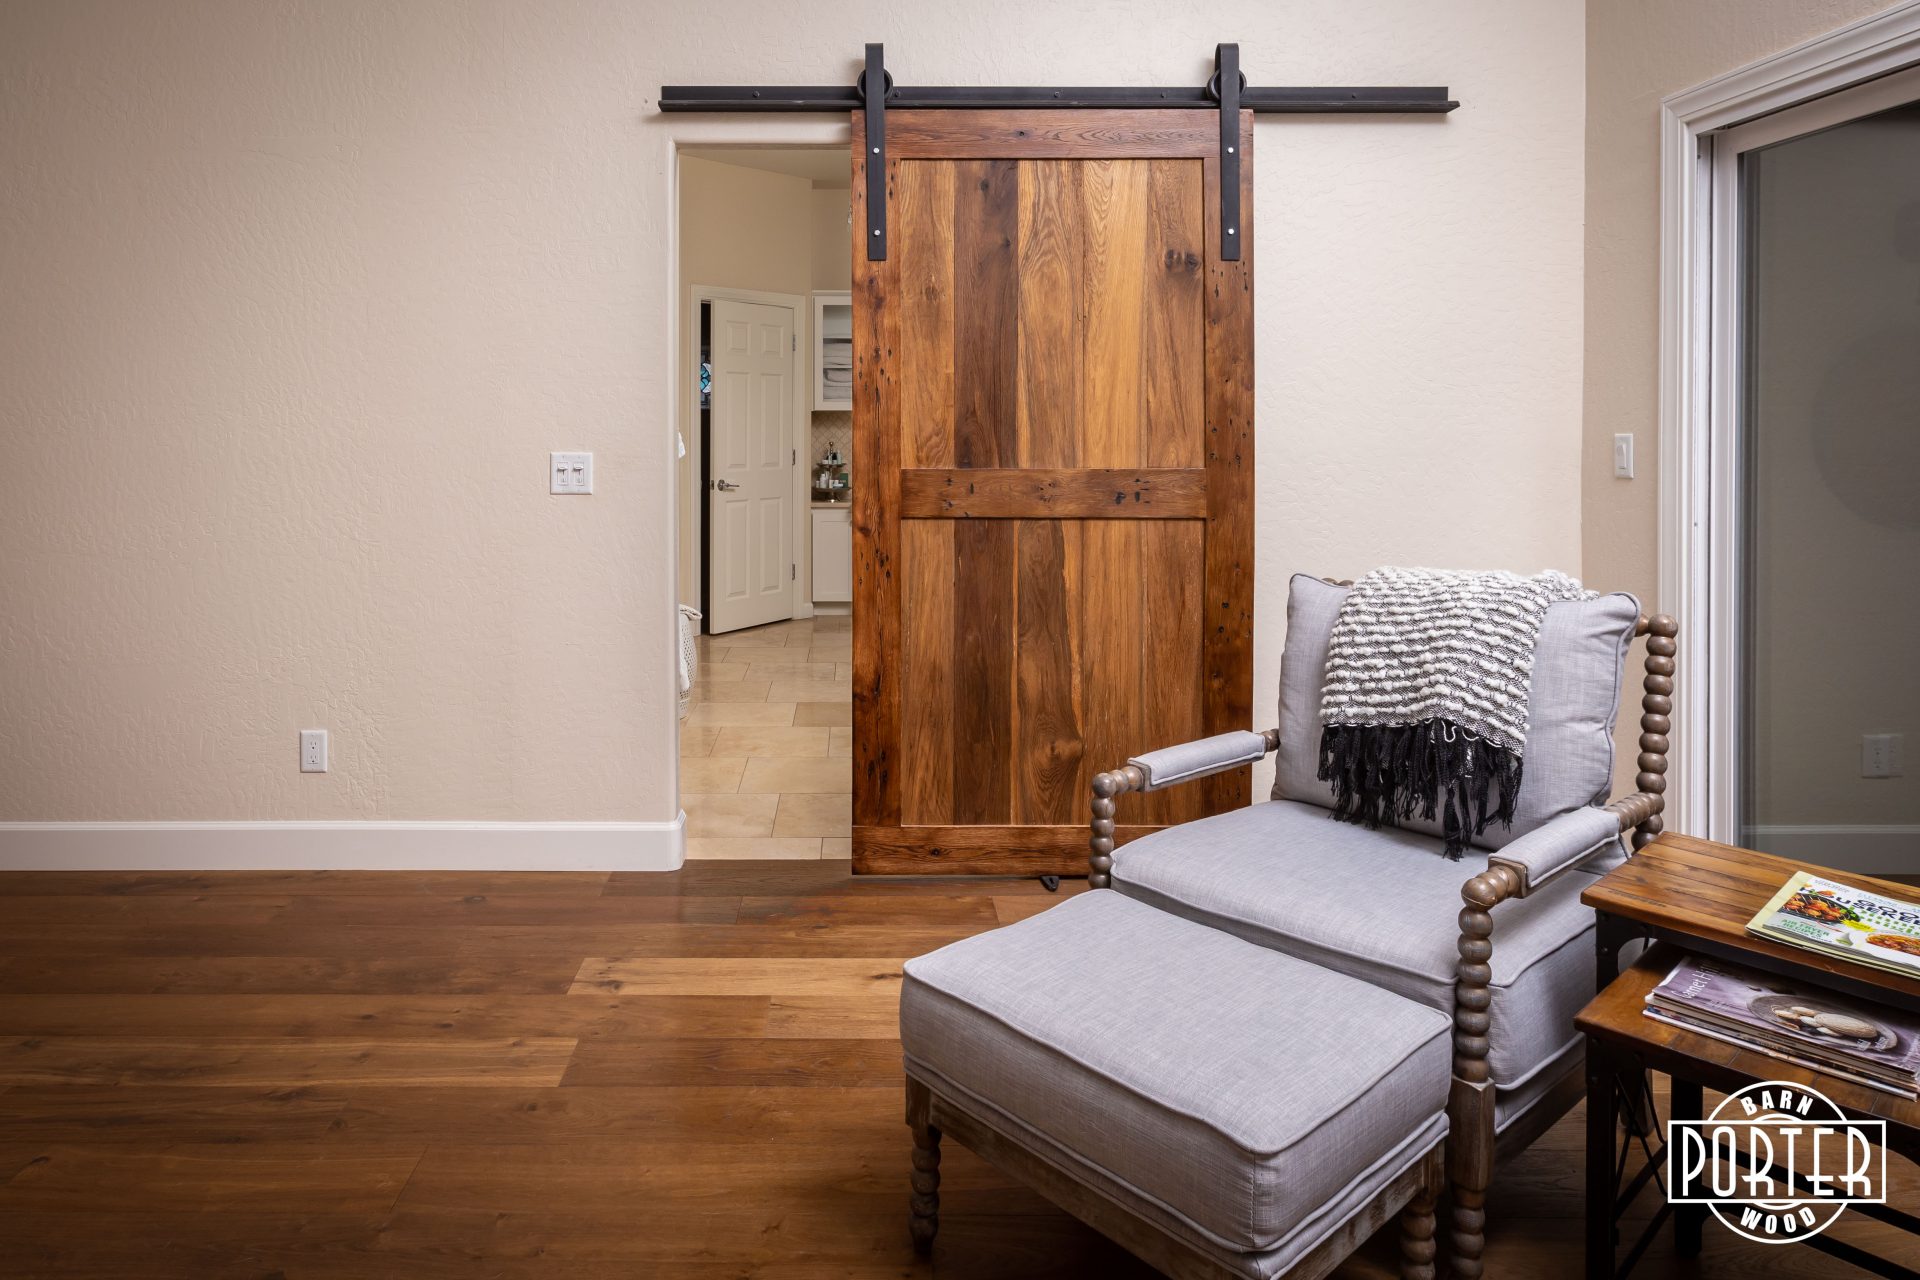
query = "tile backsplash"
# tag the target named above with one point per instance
(832, 431)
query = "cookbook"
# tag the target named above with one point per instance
(1844, 922)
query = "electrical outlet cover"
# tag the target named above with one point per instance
(313, 751)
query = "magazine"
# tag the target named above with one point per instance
(1865, 1081)
(1788, 1019)
(1846, 923)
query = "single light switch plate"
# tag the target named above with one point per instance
(1880, 754)
(572, 473)
(1623, 456)
(313, 751)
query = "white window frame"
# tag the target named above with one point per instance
(1812, 86)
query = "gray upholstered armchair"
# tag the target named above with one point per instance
(1516, 962)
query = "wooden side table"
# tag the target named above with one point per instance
(1689, 895)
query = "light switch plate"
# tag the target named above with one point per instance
(313, 751)
(571, 473)
(1623, 456)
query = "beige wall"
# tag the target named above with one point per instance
(740, 228)
(299, 297)
(1637, 52)
(832, 238)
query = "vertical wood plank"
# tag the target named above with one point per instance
(1172, 561)
(985, 571)
(1114, 195)
(1228, 634)
(1052, 257)
(1173, 423)
(926, 672)
(1048, 751)
(986, 280)
(876, 517)
(922, 235)
(1110, 648)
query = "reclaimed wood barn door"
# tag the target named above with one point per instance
(1053, 480)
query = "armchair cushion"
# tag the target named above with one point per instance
(1380, 906)
(1571, 704)
(1199, 758)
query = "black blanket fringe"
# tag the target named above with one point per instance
(1388, 773)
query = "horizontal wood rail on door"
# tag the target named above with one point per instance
(1053, 422)
(1101, 493)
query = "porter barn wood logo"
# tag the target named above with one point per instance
(1777, 1162)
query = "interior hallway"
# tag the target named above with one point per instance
(766, 754)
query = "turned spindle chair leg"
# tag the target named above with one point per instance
(1417, 1226)
(923, 1219)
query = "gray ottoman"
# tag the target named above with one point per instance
(1215, 1107)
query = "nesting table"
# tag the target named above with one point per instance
(1687, 895)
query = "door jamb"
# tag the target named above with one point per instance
(1698, 480)
(801, 420)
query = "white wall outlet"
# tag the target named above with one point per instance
(571, 473)
(313, 751)
(1880, 754)
(1623, 456)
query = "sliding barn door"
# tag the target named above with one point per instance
(1053, 479)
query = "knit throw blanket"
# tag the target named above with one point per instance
(1424, 707)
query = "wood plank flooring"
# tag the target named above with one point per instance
(314, 1076)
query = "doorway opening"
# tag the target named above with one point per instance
(764, 261)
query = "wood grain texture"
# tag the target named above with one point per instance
(985, 579)
(979, 850)
(1049, 777)
(927, 670)
(703, 1160)
(1110, 493)
(1683, 885)
(1048, 356)
(1227, 633)
(1052, 383)
(1042, 135)
(923, 240)
(876, 513)
(986, 266)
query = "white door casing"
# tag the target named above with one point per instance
(750, 556)
(1847, 73)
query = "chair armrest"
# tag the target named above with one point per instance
(1164, 768)
(1557, 846)
(1199, 759)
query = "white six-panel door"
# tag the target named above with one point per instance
(750, 466)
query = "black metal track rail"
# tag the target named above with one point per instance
(1431, 100)
(1227, 92)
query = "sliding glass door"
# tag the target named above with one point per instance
(1818, 400)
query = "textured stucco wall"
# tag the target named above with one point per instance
(299, 295)
(1638, 52)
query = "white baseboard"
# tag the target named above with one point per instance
(343, 846)
(1870, 848)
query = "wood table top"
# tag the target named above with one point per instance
(1616, 1015)
(1687, 889)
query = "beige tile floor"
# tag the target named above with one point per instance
(766, 753)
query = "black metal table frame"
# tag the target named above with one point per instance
(1621, 1113)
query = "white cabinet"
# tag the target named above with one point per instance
(832, 555)
(832, 351)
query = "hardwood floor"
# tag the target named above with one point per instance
(310, 1076)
